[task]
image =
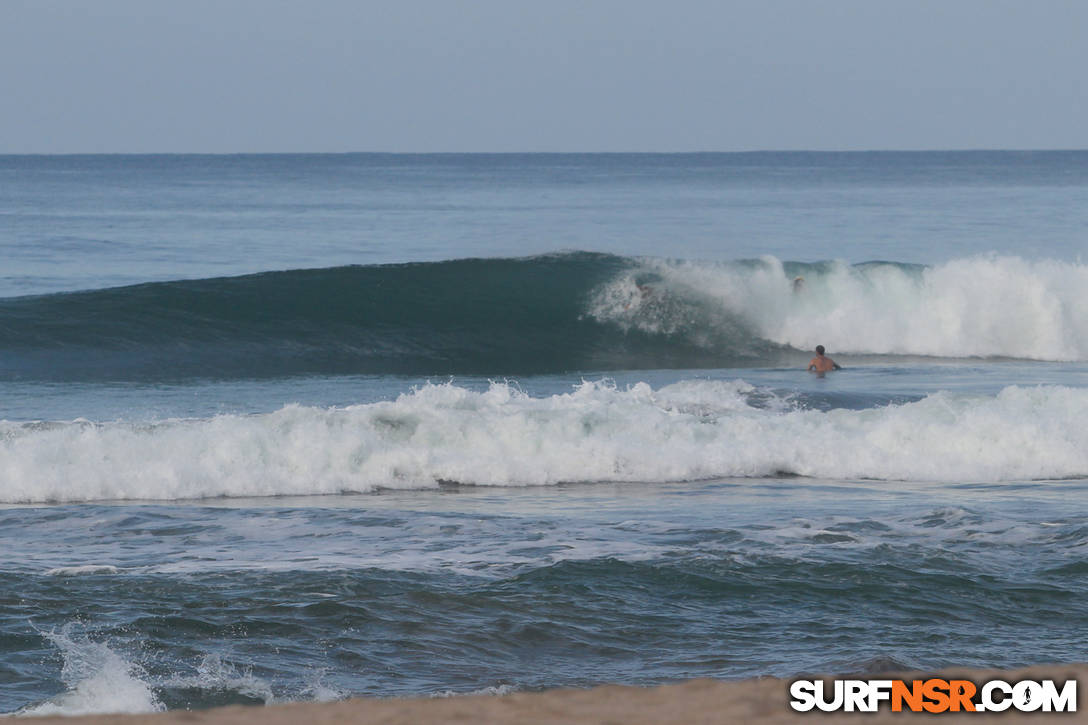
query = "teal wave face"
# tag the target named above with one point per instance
(473, 316)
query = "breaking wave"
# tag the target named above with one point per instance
(554, 313)
(439, 434)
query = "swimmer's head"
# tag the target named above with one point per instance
(819, 349)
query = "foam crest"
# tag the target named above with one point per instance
(82, 570)
(504, 437)
(99, 680)
(979, 307)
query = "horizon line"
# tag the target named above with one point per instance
(548, 153)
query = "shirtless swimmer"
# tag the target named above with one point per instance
(821, 363)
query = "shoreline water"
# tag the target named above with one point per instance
(760, 701)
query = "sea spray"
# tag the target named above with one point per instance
(98, 679)
(219, 680)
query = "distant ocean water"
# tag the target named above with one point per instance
(298, 427)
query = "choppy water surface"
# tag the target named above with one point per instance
(470, 588)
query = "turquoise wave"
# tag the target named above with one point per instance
(470, 316)
(557, 313)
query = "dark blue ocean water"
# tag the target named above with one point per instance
(301, 427)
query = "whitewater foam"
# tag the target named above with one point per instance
(990, 306)
(505, 437)
(82, 570)
(493, 691)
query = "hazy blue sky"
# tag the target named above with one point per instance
(547, 75)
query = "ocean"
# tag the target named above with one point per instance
(301, 427)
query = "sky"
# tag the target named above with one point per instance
(228, 76)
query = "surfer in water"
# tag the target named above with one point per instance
(822, 363)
